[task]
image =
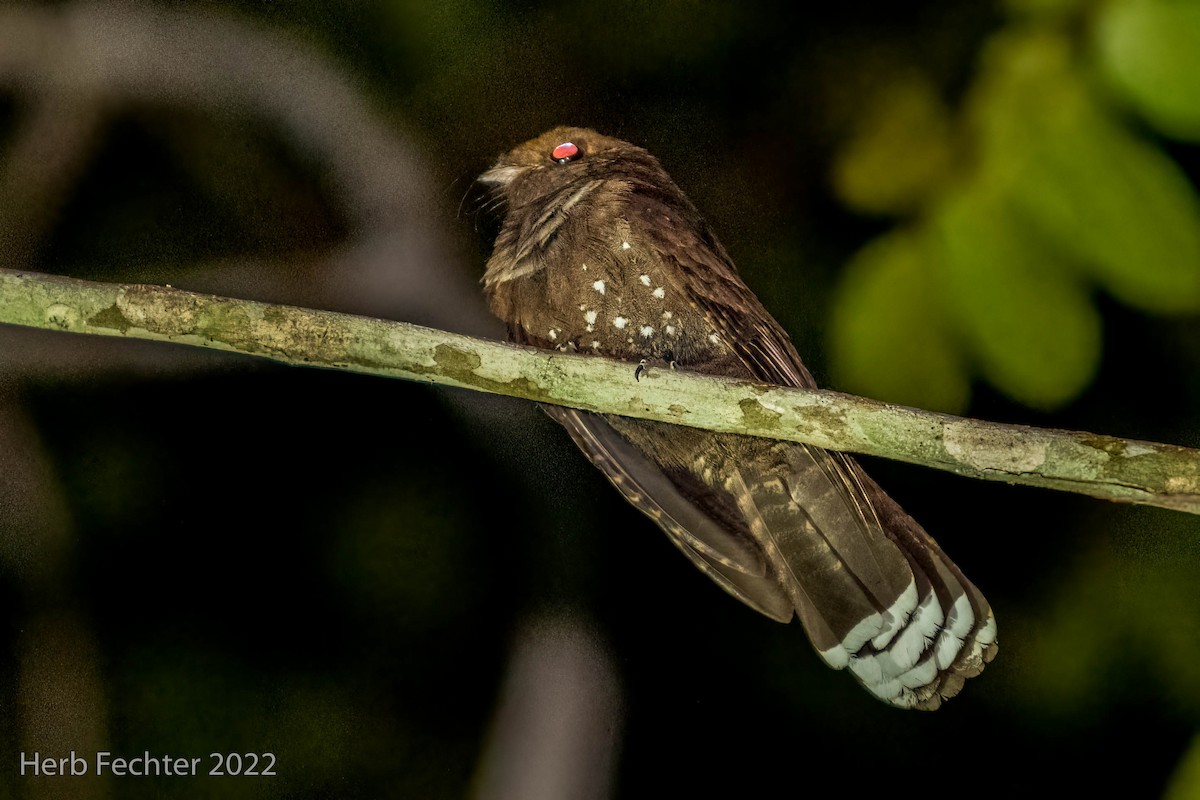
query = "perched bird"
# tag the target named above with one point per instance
(600, 252)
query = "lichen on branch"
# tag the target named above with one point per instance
(1101, 466)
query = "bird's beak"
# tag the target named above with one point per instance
(500, 175)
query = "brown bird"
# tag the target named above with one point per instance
(600, 252)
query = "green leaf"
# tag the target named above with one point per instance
(1114, 204)
(1185, 783)
(888, 338)
(1150, 53)
(1122, 209)
(1045, 9)
(1027, 321)
(900, 153)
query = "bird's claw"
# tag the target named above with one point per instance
(644, 366)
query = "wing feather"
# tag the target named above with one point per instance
(786, 528)
(727, 554)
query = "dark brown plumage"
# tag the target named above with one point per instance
(600, 252)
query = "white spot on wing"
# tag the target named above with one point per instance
(712, 337)
(599, 286)
(897, 616)
(660, 293)
(888, 668)
(907, 647)
(888, 690)
(624, 245)
(670, 330)
(861, 632)
(987, 634)
(595, 345)
(646, 331)
(620, 322)
(667, 315)
(959, 622)
(961, 618)
(836, 656)
(645, 279)
(553, 334)
(920, 675)
(867, 668)
(590, 317)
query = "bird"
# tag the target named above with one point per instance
(600, 253)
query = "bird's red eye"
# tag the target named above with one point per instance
(567, 151)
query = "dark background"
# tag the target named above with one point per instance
(407, 591)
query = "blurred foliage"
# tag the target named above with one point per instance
(1050, 183)
(902, 152)
(888, 294)
(331, 566)
(1031, 329)
(346, 619)
(1150, 51)
(1118, 613)
(1035, 194)
(1185, 784)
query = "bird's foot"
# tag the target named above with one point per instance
(644, 365)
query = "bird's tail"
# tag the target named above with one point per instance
(874, 591)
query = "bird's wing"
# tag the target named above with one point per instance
(704, 525)
(873, 590)
(698, 268)
(788, 528)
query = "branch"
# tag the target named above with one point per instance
(1101, 466)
